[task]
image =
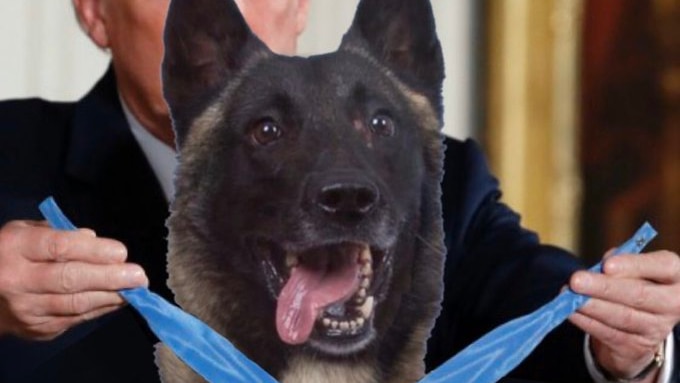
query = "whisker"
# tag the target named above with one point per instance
(431, 246)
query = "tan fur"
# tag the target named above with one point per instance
(419, 103)
(410, 366)
(309, 370)
(203, 125)
(171, 369)
(421, 106)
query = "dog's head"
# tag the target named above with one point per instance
(307, 215)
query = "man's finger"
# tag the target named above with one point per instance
(639, 294)
(77, 277)
(623, 318)
(41, 244)
(90, 315)
(76, 304)
(658, 266)
(609, 335)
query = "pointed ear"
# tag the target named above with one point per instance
(206, 44)
(402, 35)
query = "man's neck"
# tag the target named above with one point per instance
(159, 125)
(155, 119)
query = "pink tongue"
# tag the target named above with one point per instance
(307, 292)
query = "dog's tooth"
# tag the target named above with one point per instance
(291, 260)
(334, 324)
(353, 324)
(365, 256)
(365, 282)
(367, 308)
(360, 321)
(344, 325)
(326, 322)
(361, 293)
(366, 269)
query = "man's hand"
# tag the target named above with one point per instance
(52, 280)
(635, 305)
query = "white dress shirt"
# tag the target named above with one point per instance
(161, 157)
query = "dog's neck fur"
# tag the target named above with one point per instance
(305, 369)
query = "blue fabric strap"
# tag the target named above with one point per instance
(210, 354)
(499, 351)
(486, 361)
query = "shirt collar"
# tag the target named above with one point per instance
(161, 157)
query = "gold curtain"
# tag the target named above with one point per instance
(532, 111)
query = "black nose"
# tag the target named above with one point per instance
(347, 199)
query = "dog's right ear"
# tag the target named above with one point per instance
(207, 42)
(403, 36)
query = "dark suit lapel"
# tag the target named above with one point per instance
(110, 186)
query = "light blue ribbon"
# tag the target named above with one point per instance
(495, 354)
(486, 361)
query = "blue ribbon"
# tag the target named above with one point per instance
(495, 354)
(486, 361)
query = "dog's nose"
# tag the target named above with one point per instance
(347, 199)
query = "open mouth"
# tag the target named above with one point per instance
(326, 294)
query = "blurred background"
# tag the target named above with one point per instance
(576, 102)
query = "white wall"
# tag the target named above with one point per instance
(43, 52)
(455, 25)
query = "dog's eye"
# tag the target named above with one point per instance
(382, 125)
(265, 132)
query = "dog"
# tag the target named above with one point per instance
(306, 226)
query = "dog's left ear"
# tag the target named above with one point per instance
(402, 35)
(207, 42)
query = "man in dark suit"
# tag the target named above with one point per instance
(101, 159)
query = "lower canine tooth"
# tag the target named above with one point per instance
(360, 321)
(367, 308)
(365, 256)
(291, 260)
(361, 293)
(326, 322)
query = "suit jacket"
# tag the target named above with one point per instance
(84, 155)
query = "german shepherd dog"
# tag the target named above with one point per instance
(306, 226)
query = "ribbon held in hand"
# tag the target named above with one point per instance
(208, 353)
(495, 354)
(486, 361)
